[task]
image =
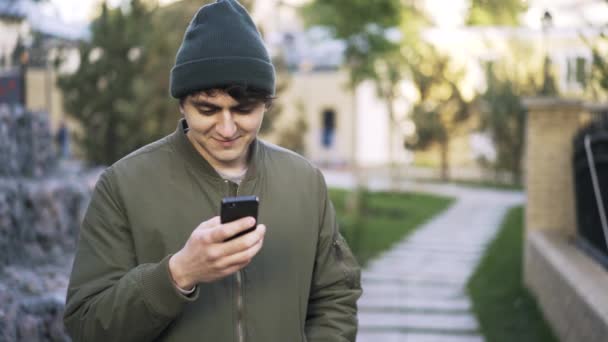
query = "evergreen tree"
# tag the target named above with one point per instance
(100, 93)
(120, 93)
(496, 12)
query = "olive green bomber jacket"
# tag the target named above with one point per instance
(302, 286)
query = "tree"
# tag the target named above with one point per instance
(441, 107)
(502, 113)
(598, 84)
(496, 12)
(370, 54)
(120, 93)
(504, 117)
(292, 137)
(100, 92)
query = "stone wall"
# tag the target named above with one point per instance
(569, 285)
(26, 143)
(41, 207)
(552, 124)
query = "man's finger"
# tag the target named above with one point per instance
(210, 223)
(227, 230)
(242, 258)
(245, 241)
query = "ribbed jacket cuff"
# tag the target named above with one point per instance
(160, 293)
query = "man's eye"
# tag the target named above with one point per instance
(206, 111)
(244, 110)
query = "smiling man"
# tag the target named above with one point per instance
(154, 263)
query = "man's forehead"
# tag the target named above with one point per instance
(217, 97)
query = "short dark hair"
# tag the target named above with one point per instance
(242, 94)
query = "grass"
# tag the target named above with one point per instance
(383, 218)
(505, 309)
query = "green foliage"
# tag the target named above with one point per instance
(362, 24)
(441, 107)
(99, 94)
(123, 103)
(293, 136)
(598, 84)
(502, 113)
(505, 309)
(371, 55)
(504, 117)
(496, 12)
(377, 220)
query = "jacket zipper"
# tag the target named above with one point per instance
(239, 291)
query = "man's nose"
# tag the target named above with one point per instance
(226, 127)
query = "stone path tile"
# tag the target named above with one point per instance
(460, 323)
(391, 336)
(420, 304)
(416, 291)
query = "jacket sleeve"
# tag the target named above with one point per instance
(336, 285)
(110, 297)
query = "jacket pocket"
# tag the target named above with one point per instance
(347, 262)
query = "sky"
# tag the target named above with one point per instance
(75, 11)
(449, 13)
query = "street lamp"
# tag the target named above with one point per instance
(546, 24)
(546, 21)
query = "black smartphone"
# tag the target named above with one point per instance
(234, 208)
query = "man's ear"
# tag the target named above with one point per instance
(181, 106)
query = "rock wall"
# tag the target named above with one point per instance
(26, 143)
(42, 204)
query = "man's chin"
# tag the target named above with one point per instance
(227, 157)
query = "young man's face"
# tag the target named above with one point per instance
(221, 129)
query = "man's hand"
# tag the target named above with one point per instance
(206, 256)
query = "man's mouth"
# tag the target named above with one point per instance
(227, 142)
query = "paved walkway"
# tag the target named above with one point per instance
(416, 291)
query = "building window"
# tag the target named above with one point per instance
(577, 71)
(329, 128)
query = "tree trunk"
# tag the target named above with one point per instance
(516, 171)
(393, 170)
(444, 151)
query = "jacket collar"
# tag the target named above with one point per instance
(184, 148)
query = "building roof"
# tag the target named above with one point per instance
(42, 20)
(13, 9)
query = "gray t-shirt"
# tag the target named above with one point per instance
(234, 178)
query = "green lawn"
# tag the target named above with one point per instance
(505, 309)
(383, 218)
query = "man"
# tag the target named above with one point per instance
(147, 269)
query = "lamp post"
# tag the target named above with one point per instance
(546, 23)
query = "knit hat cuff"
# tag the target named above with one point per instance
(207, 73)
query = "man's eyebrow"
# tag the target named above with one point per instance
(201, 103)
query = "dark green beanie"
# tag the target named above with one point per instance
(221, 47)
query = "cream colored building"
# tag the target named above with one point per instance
(362, 126)
(360, 123)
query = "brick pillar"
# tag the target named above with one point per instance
(552, 123)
